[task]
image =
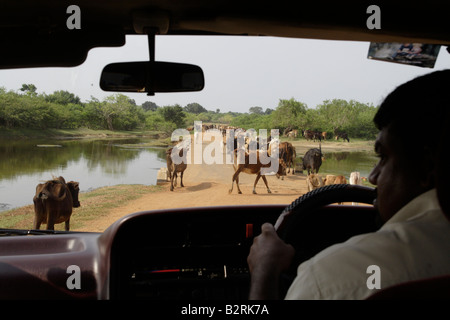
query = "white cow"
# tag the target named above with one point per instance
(355, 178)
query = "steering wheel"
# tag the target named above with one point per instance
(310, 230)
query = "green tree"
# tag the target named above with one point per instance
(204, 117)
(309, 120)
(252, 121)
(118, 112)
(288, 114)
(256, 110)
(353, 117)
(194, 108)
(62, 97)
(29, 89)
(155, 121)
(91, 115)
(173, 114)
(149, 106)
(225, 118)
(106, 111)
(26, 111)
(338, 113)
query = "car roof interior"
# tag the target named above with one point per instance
(36, 34)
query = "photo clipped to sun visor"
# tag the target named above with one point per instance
(415, 54)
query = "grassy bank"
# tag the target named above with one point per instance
(94, 204)
(356, 145)
(24, 133)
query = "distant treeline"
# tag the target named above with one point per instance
(64, 110)
(351, 117)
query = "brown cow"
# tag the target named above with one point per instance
(312, 135)
(53, 202)
(333, 179)
(293, 133)
(175, 168)
(255, 168)
(285, 151)
(288, 154)
(313, 181)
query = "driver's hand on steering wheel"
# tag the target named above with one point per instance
(269, 256)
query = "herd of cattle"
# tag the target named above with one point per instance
(289, 132)
(311, 162)
(315, 135)
(54, 199)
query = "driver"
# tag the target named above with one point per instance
(414, 240)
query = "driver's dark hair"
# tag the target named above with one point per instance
(415, 111)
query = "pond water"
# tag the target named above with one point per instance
(344, 163)
(97, 163)
(106, 162)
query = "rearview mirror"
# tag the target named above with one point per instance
(151, 77)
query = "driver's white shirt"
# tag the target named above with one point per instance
(413, 244)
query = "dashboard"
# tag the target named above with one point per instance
(176, 254)
(195, 254)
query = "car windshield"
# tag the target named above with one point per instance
(57, 122)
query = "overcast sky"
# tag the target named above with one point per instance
(240, 72)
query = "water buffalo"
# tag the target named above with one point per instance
(343, 135)
(312, 135)
(312, 160)
(53, 202)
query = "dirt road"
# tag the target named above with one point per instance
(208, 185)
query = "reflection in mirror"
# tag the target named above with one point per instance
(151, 77)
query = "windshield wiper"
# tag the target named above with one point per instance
(25, 232)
